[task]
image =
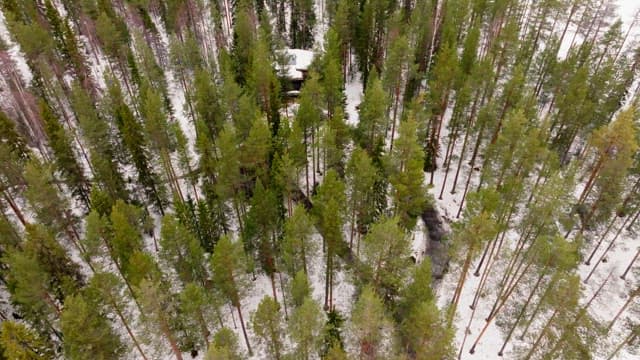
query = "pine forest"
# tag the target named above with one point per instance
(319, 179)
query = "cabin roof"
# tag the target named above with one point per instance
(299, 62)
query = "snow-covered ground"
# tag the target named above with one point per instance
(603, 308)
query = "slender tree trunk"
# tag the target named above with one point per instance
(544, 330)
(629, 339)
(606, 251)
(244, 330)
(460, 285)
(127, 327)
(172, 340)
(16, 210)
(521, 313)
(579, 316)
(635, 257)
(632, 296)
(602, 237)
(473, 161)
(464, 143)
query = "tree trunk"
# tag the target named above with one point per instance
(624, 274)
(244, 330)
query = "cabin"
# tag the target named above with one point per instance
(295, 72)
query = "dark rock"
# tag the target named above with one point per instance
(437, 246)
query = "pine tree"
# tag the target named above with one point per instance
(160, 136)
(244, 39)
(227, 265)
(361, 176)
(299, 289)
(197, 309)
(303, 20)
(126, 238)
(104, 292)
(230, 180)
(369, 325)
(393, 79)
(264, 84)
(98, 135)
(182, 251)
(64, 275)
(49, 207)
(426, 333)
(262, 230)
(417, 290)
(268, 326)
(385, 258)
(329, 211)
(20, 342)
(87, 331)
(31, 293)
(405, 175)
(135, 143)
(370, 35)
(305, 327)
(256, 148)
(478, 227)
(614, 146)
(373, 117)
(297, 245)
(159, 313)
(224, 346)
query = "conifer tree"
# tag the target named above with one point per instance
(299, 288)
(329, 211)
(303, 19)
(87, 331)
(227, 265)
(405, 175)
(426, 333)
(373, 115)
(478, 227)
(182, 251)
(297, 245)
(198, 309)
(370, 35)
(305, 327)
(268, 326)
(104, 292)
(98, 135)
(66, 161)
(224, 346)
(361, 176)
(385, 257)
(135, 143)
(417, 290)
(31, 292)
(159, 313)
(614, 146)
(160, 137)
(263, 83)
(262, 231)
(20, 342)
(369, 325)
(230, 180)
(49, 207)
(393, 79)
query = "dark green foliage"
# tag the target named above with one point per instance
(135, 143)
(87, 331)
(333, 332)
(203, 221)
(66, 160)
(303, 19)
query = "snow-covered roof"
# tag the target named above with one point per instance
(299, 62)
